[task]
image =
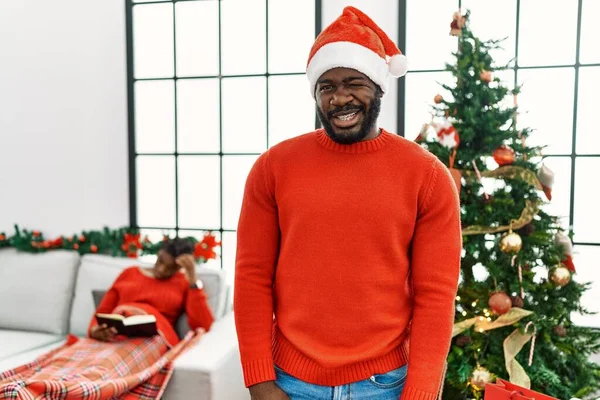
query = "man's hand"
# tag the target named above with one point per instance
(267, 391)
(188, 263)
(103, 333)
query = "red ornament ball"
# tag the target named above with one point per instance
(500, 303)
(438, 99)
(504, 155)
(93, 248)
(485, 76)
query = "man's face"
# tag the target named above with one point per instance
(348, 104)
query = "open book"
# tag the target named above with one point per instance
(134, 326)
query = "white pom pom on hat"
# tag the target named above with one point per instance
(354, 41)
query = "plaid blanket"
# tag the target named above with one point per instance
(87, 369)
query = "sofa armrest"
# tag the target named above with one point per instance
(212, 368)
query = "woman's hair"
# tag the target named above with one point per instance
(177, 246)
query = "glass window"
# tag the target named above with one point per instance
(428, 41)
(546, 106)
(590, 32)
(154, 116)
(153, 40)
(587, 218)
(197, 33)
(547, 33)
(588, 103)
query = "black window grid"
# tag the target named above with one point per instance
(401, 96)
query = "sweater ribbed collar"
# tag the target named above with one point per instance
(366, 146)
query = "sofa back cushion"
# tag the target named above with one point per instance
(98, 272)
(36, 290)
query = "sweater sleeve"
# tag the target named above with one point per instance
(107, 305)
(197, 310)
(435, 266)
(257, 252)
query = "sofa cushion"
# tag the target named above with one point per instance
(17, 342)
(36, 290)
(98, 272)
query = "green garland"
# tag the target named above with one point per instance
(120, 242)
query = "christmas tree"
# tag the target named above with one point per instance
(516, 295)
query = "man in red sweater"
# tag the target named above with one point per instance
(349, 243)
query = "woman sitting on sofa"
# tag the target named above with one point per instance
(166, 290)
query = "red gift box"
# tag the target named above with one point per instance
(503, 390)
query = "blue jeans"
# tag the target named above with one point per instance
(386, 386)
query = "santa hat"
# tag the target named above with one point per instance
(354, 41)
(546, 177)
(565, 243)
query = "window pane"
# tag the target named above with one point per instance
(561, 190)
(198, 235)
(586, 221)
(421, 88)
(388, 119)
(199, 192)
(243, 37)
(244, 115)
(288, 53)
(586, 262)
(494, 20)
(153, 40)
(198, 116)
(235, 172)
(197, 24)
(291, 108)
(154, 117)
(589, 51)
(547, 33)
(228, 251)
(546, 106)
(155, 191)
(428, 41)
(588, 141)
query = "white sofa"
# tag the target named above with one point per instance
(45, 296)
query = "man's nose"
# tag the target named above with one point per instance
(341, 97)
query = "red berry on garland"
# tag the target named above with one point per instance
(94, 248)
(76, 246)
(35, 233)
(82, 238)
(2, 237)
(504, 155)
(438, 99)
(500, 303)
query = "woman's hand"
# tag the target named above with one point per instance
(188, 263)
(103, 333)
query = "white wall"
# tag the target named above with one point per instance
(385, 14)
(63, 115)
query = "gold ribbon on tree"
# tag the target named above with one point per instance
(512, 346)
(515, 314)
(530, 211)
(510, 172)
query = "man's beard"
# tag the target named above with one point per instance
(349, 138)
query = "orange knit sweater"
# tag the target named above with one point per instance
(346, 254)
(170, 297)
